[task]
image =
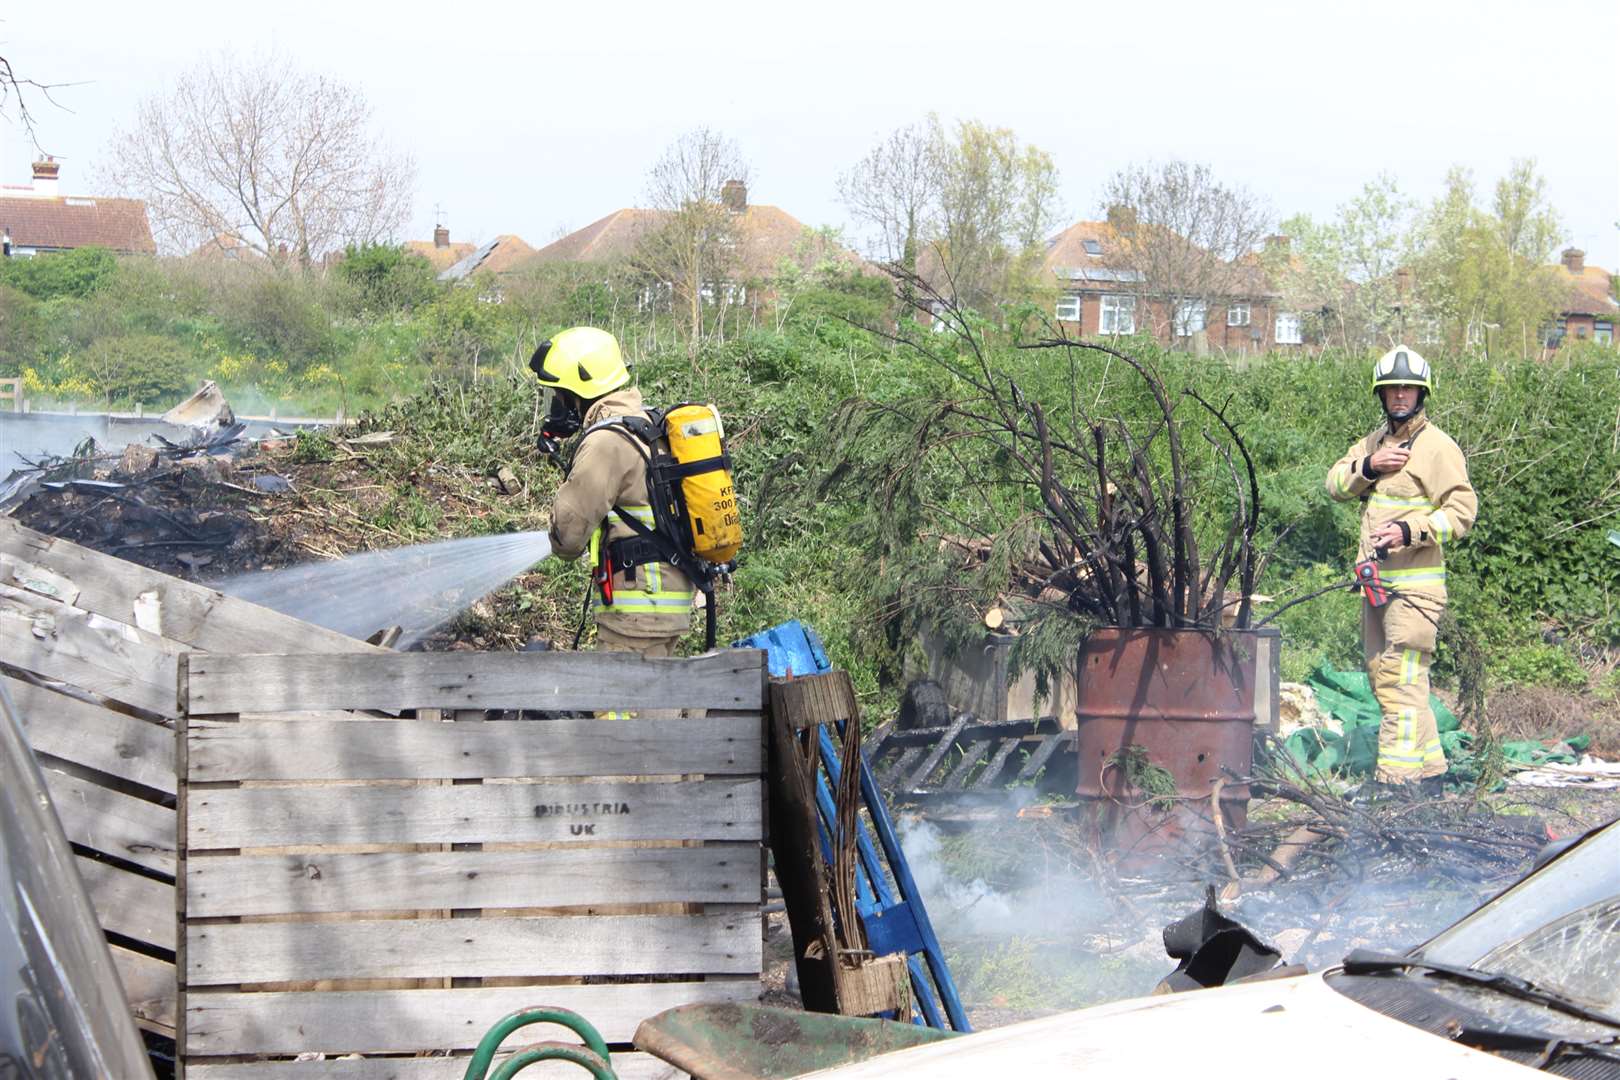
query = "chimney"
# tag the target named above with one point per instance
(734, 196)
(1574, 260)
(45, 173)
(441, 236)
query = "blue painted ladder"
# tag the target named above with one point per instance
(893, 925)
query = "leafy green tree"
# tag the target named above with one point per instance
(76, 273)
(145, 368)
(387, 278)
(22, 330)
(281, 316)
(461, 331)
(1482, 275)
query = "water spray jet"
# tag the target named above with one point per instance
(414, 588)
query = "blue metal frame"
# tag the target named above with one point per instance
(892, 925)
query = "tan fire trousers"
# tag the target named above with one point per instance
(656, 647)
(1398, 640)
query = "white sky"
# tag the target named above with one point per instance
(535, 117)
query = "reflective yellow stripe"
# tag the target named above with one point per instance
(1416, 573)
(1440, 524)
(1377, 499)
(1410, 668)
(1405, 752)
(643, 604)
(1341, 479)
(654, 599)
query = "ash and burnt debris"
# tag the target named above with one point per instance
(184, 505)
(1028, 889)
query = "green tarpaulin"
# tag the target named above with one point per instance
(1347, 697)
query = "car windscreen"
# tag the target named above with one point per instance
(1558, 928)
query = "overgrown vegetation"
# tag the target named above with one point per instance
(1536, 583)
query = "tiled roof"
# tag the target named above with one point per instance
(1589, 292)
(58, 222)
(1089, 254)
(769, 236)
(441, 257)
(1067, 252)
(507, 251)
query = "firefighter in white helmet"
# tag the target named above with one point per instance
(1412, 480)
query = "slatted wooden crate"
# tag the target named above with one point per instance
(383, 883)
(91, 649)
(99, 734)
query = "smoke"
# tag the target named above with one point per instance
(970, 906)
(1025, 931)
(33, 436)
(1031, 922)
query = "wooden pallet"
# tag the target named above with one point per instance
(93, 646)
(389, 887)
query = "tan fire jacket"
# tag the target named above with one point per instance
(1431, 497)
(608, 471)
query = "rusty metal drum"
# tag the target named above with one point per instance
(1186, 699)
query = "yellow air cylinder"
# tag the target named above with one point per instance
(696, 435)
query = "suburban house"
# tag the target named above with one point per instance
(1590, 308)
(226, 247)
(766, 238)
(37, 218)
(457, 260)
(1100, 294)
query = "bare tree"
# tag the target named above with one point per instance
(1344, 274)
(261, 154)
(980, 199)
(15, 94)
(694, 246)
(1189, 238)
(895, 190)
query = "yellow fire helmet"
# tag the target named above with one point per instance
(583, 360)
(1402, 367)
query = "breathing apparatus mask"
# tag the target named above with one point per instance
(563, 417)
(562, 422)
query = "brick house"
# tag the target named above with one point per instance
(37, 219)
(1590, 308)
(1100, 295)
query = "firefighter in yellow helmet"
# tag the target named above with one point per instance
(1412, 480)
(645, 607)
